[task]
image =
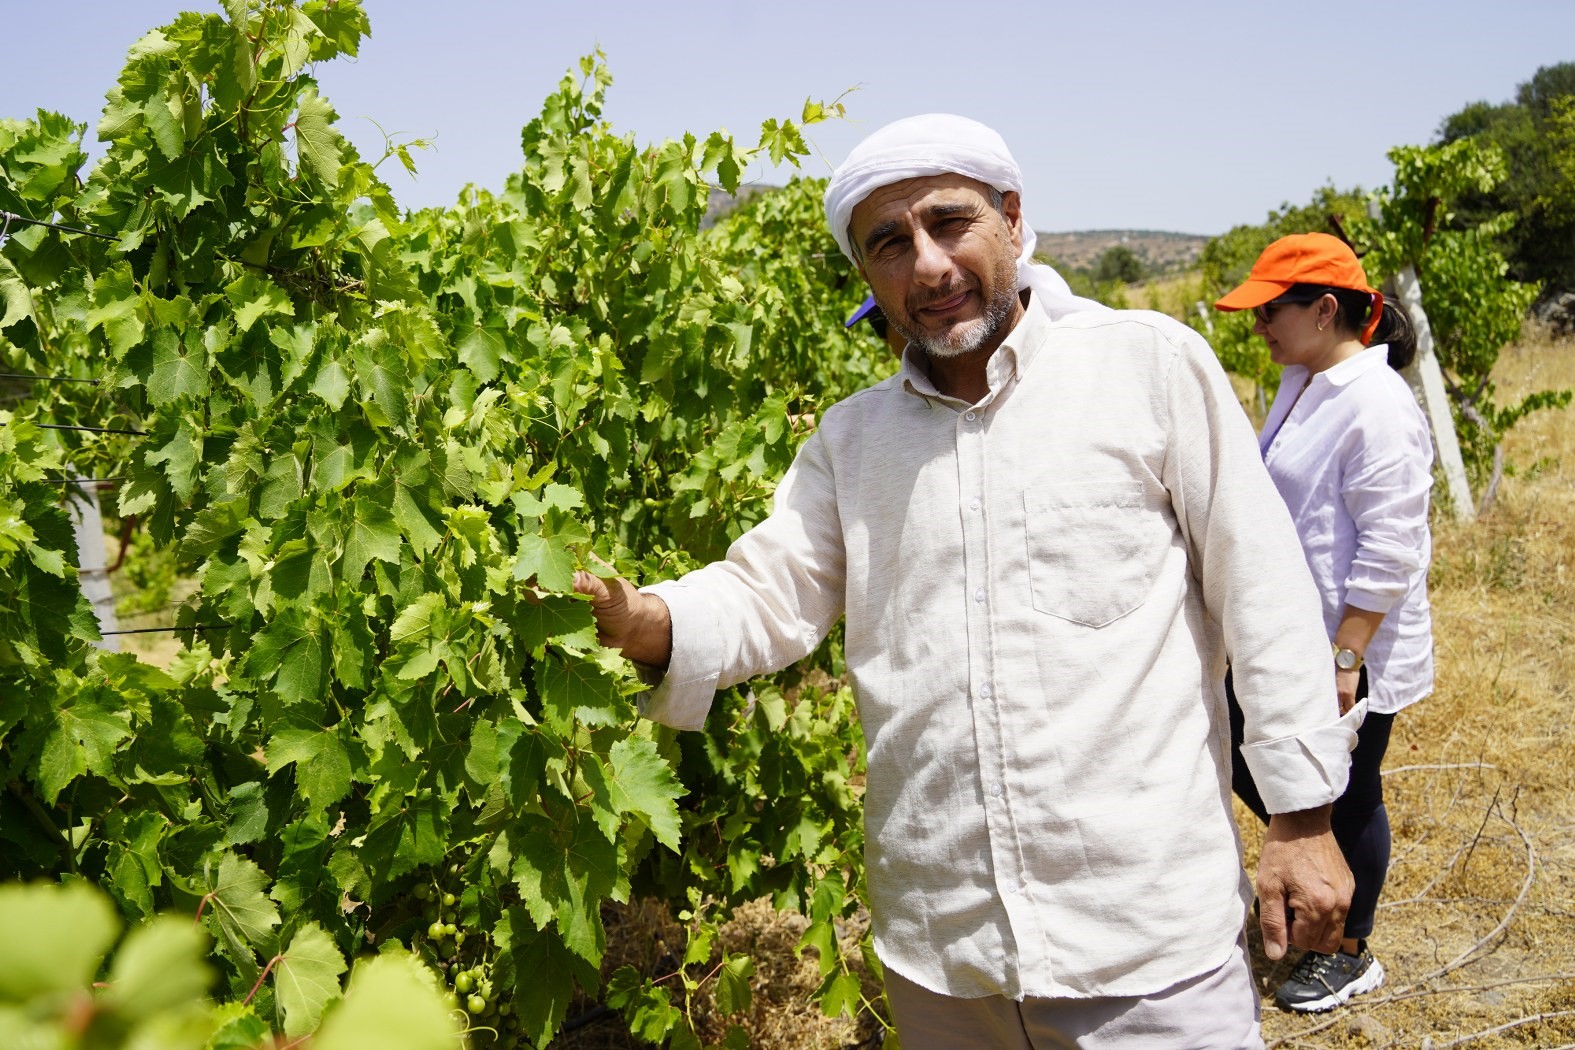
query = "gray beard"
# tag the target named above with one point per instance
(966, 338)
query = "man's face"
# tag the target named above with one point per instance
(941, 261)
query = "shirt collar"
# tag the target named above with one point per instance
(1359, 364)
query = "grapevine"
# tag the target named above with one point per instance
(381, 443)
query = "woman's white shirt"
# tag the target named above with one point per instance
(1352, 456)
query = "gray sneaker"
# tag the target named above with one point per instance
(1322, 982)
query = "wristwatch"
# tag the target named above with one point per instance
(1347, 659)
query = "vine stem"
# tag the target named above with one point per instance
(266, 970)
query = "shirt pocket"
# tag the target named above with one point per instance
(1092, 556)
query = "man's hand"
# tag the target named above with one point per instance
(637, 624)
(1301, 868)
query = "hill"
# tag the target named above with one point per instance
(1159, 251)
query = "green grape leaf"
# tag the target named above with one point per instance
(418, 619)
(574, 688)
(732, 984)
(255, 297)
(115, 299)
(236, 896)
(480, 350)
(343, 458)
(177, 373)
(342, 23)
(322, 765)
(381, 372)
(481, 758)
(55, 937)
(539, 620)
(373, 533)
(830, 894)
(821, 936)
(14, 295)
(318, 145)
(83, 738)
(248, 813)
(392, 1001)
(353, 647)
(405, 836)
(236, 1027)
(647, 1007)
(159, 968)
(637, 782)
(842, 995)
(546, 560)
(417, 522)
(332, 383)
(292, 657)
(546, 974)
(181, 457)
(306, 978)
(570, 873)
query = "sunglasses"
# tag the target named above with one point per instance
(1266, 312)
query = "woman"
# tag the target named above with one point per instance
(1350, 452)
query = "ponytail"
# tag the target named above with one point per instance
(1394, 328)
(1394, 324)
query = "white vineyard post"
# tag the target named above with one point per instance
(1427, 383)
(92, 562)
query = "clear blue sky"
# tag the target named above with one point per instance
(1154, 114)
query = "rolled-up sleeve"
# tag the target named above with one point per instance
(1385, 486)
(768, 603)
(1307, 770)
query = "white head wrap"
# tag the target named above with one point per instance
(940, 144)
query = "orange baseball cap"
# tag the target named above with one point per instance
(1303, 258)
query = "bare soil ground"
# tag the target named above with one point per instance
(1477, 924)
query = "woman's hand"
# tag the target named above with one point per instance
(1345, 683)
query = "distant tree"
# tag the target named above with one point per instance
(1536, 135)
(1118, 263)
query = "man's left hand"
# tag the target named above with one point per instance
(1301, 870)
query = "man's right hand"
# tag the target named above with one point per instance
(636, 624)
(1301, 871)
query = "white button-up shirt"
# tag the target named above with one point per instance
(1352, 457)
(1041, 590)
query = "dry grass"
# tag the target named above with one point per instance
(1477, 924)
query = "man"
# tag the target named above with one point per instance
(1048, 533)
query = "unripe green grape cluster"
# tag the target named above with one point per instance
(463, 958)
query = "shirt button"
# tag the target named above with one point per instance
(995, 789)
(984, 690)
(970, 416)
(973, 504)
(978, 595)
